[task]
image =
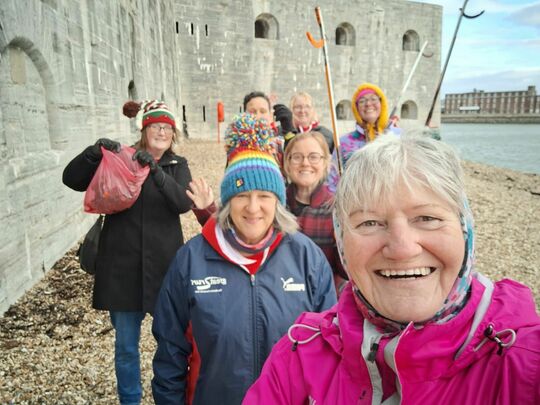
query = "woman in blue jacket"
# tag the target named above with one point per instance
(240, 284)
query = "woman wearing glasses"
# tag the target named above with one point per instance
(137, 244)
(370, 109)
(306, 163)
(305, 117)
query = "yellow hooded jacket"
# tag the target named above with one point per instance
(371, 130)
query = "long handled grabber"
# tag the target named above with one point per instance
(408, 81)
(461, 15)
(321, 43)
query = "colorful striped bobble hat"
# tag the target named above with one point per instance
(148, 112)
(250, 163)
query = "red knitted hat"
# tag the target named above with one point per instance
(148, 112)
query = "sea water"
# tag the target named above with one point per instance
(513, 146)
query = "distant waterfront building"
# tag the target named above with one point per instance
(499, 102)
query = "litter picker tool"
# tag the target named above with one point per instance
(408, 81)
(321, 43)
(461, 15)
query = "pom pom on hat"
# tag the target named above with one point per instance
(247, 132)
(131, 108)
(148, 112)
(250, 164)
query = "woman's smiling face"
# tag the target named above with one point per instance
(404, 256)
(305, 173)
(252, 214)
(303, 112)
(369, 107)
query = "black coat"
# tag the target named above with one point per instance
(137, 244)
(327, 136)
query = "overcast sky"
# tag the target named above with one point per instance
(497, 51)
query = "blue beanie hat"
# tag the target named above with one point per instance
(250, 164)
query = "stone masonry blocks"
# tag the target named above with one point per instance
(67, 67)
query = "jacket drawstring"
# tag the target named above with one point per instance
(297, 342)
(496, 337)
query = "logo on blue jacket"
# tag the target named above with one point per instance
(290, 285)
(210, 284)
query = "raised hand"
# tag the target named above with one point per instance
(200, 193)
(285, 118)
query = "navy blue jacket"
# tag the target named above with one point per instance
(236, 318)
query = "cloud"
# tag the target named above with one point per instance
(452, 7)
(528, 15)
(497, 6)
(504, 80)
(506, 42)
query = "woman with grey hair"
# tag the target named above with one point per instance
(239, 285)
(416, 324)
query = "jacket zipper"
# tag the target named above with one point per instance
(254, 327)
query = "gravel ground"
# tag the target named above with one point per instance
(54, 349)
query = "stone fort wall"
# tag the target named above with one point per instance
(67, 66)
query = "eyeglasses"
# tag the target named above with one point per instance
(313, 158)
(372, 100)
(166, 128)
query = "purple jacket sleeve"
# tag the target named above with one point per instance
(333, 176)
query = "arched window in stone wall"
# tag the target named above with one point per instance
(343, 110)
(345, 34)
(266, 26)
(411, 41)
(28, 101)
(409, 110)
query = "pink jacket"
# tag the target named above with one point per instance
(452, 363)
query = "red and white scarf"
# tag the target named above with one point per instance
(308, 128)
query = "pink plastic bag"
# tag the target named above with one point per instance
(117, 183)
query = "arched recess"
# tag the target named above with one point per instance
(343, 110)
(345, 34)
(409, 110)
(29, 101)
(266, 26)
(411, 41)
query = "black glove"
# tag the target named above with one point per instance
(285, 118)
(145, 159)
(95, 150)
(109, 144)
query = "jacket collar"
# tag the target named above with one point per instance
(432, 351)
(168, 159)
(209, 233)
